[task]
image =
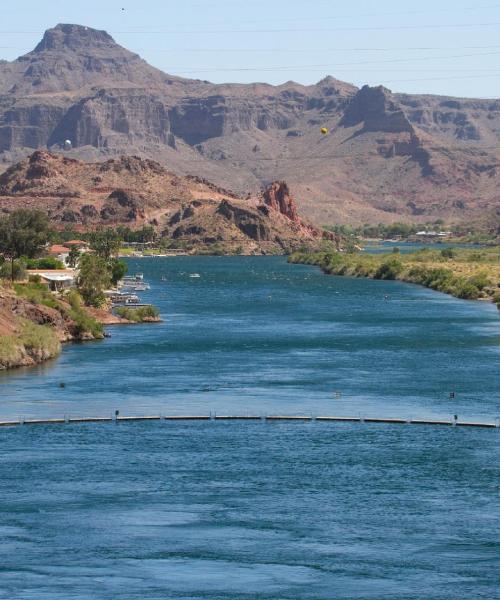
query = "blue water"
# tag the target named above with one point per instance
(407, 247)
(230, 510)
(256, 335)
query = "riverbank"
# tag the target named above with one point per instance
(34, 323)
(463, 273)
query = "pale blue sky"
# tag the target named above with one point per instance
(443, 47)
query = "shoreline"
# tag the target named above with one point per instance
(460, 279)
(34, 331)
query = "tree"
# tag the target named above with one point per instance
(93, 279)
(105, 242)
(23, 233)
(118, 269)
(73, 257)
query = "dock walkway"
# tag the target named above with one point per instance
(264, 418)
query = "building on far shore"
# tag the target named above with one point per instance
(429, 236)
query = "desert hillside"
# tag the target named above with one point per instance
(134, 192)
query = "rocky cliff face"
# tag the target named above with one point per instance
(277, 196)
(388, 156)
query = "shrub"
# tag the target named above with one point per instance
(44, 263)
(37, 293)
(139, 314)
(466, 290)
(14, 271)
(389, 269)
(480, 281)
(447, 253)
(40, 339)
(84, 323)
(10, 351)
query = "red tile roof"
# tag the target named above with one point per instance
(57, 249)
(76, 243)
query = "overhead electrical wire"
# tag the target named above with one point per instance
(335, 65)
(308, 30)
(294, 30)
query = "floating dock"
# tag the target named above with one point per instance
(264, 418)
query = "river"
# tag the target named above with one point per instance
(255, 510)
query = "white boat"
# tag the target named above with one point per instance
(195, 275)
(135, 282)
(120, 299)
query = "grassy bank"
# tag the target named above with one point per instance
(141, 314)
(463, 273)
(34, 322)
(32, 344)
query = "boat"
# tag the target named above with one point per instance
(195, 275)
(135, 282)
(119, 299)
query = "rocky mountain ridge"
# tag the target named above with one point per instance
(387, 156)
(130, 191)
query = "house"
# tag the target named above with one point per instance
(79, 244)
(59, 252)
(56, 279)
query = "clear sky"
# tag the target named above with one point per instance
(447, 47)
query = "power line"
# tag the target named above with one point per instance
(310, 30)
(300, 51)
(334, 65)
(346, 154)
(388, 14)
(295, 30)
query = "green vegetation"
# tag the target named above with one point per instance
(100, 270)
(381, 231)
(93, 279)
(39, 338)
(37, 342)
(73, 257)
(37, 293)
(105, 242)
(141, 236)
(23, 233)
(118, 270)
(84, 323)
(48, 263)
(13, 270)
(468, 274)
(139, 314)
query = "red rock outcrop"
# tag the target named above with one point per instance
(277, 196)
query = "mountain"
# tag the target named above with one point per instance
(134, 192)
(386, 157)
